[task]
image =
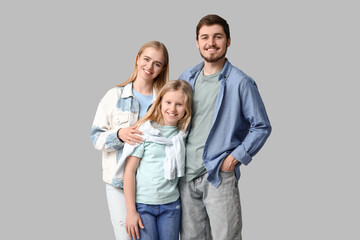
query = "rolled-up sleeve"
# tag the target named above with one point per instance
(254, 112)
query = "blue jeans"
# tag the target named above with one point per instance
(161, 222)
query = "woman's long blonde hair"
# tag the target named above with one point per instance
(163, 77)
(154, 113)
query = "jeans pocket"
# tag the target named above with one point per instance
(228, 178)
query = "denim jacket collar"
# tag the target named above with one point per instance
(127, 92)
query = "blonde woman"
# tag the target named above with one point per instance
(116, 115)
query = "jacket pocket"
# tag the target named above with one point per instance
(123, 119)
(120, 120)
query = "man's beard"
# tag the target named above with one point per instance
(212, 60)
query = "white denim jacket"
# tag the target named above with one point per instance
(117, 109)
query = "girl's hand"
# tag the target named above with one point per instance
(133, 220)
(128, 135)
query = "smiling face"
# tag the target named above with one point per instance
(172, 108)
(212, 43)
(150, 63)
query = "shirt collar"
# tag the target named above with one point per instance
(224, 72)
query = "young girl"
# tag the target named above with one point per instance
(153, 167)
(118, 112)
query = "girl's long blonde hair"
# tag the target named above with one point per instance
(154, 113)
(163, 77)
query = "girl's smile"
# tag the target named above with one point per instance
(172, 108)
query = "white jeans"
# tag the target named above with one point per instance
(117, 208)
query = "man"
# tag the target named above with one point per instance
(229, 126)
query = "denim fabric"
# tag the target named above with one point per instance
(240, 125)
(161, 222)
(111, 115)
(117, 208)
(210, 213)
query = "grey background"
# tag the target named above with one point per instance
(58, 58)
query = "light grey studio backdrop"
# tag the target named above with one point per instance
(58, 58)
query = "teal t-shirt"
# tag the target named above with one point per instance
(204, 99)
(151, 186)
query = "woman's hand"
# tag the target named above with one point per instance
(128, 135)
(133, 220)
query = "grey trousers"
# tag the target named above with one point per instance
(210, 213)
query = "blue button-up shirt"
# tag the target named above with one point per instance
(240, 126)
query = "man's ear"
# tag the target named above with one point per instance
(228, 42)
(197, 43)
